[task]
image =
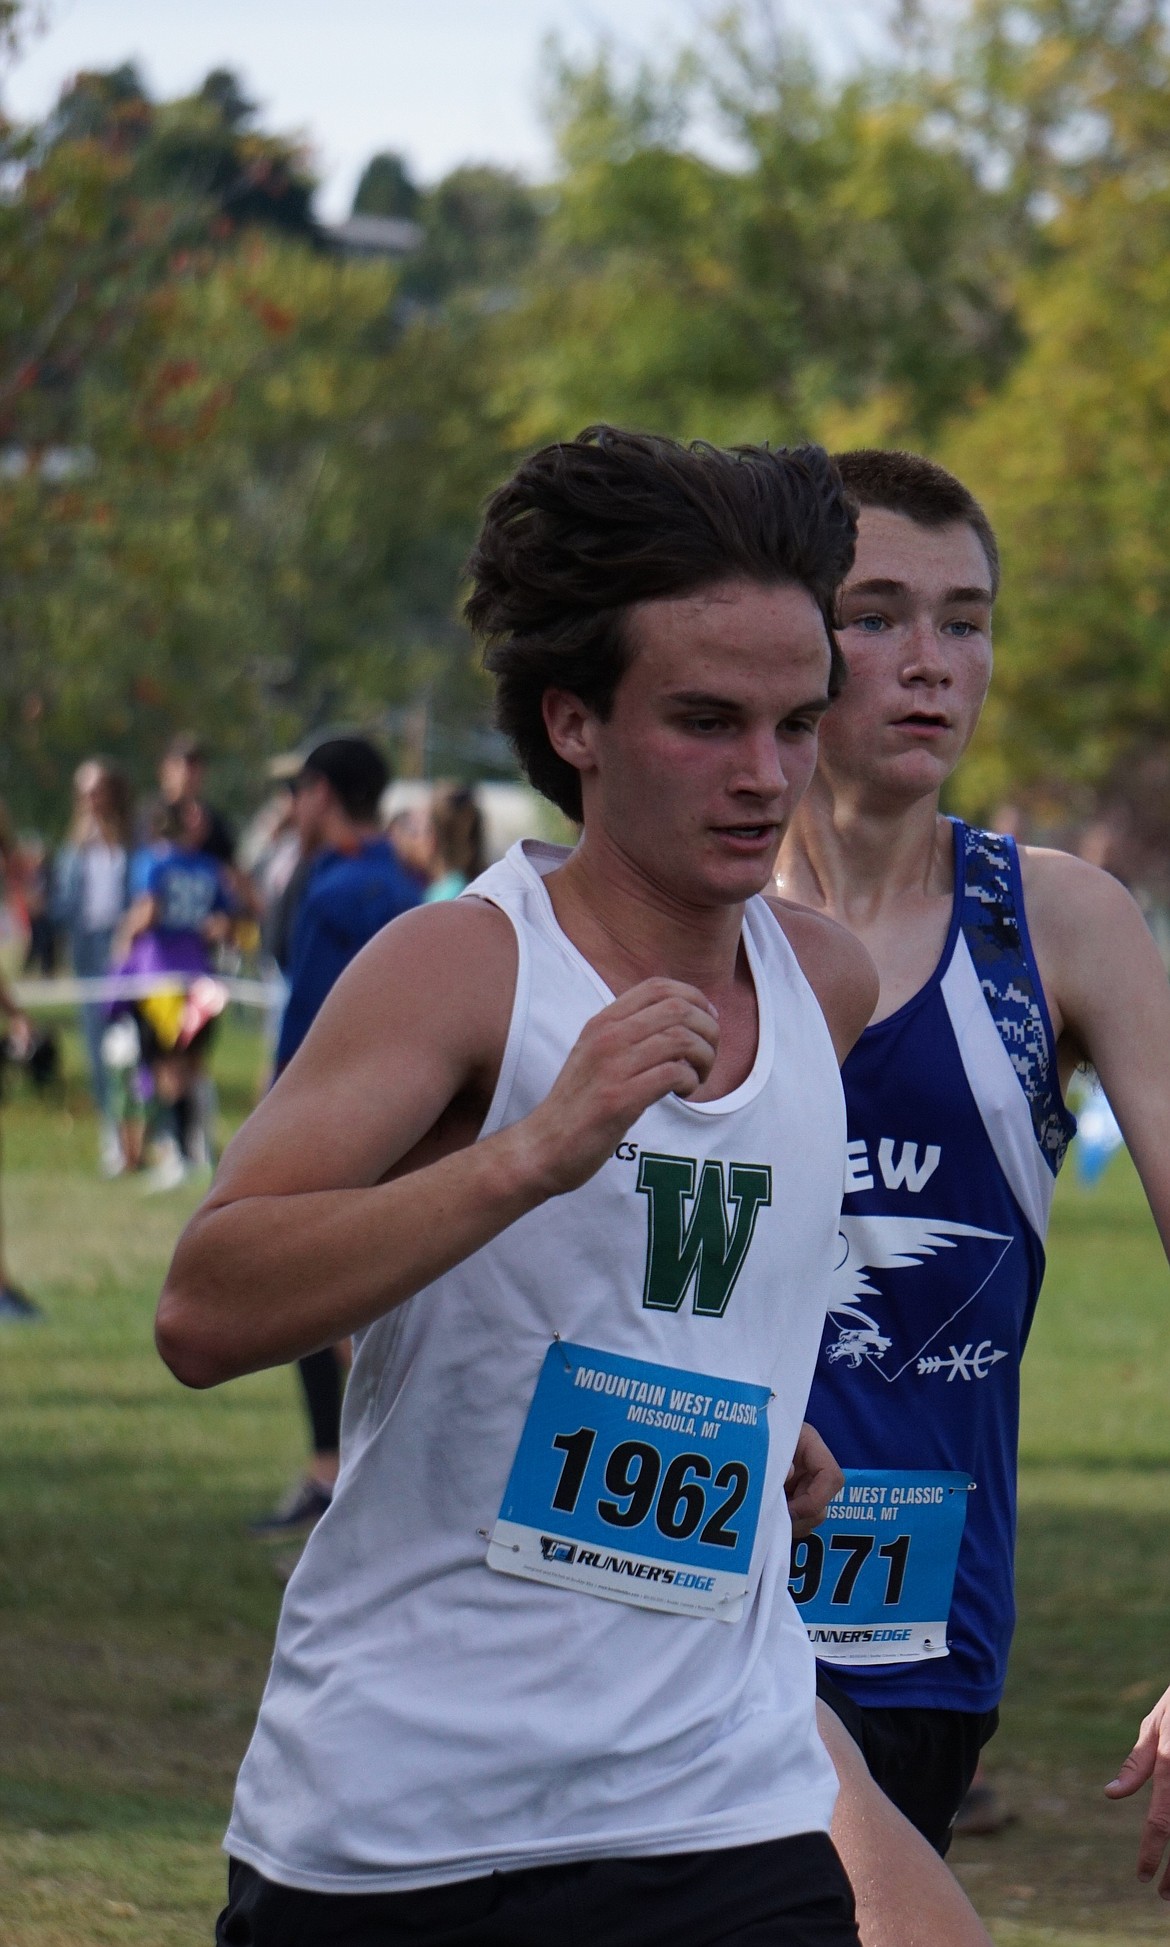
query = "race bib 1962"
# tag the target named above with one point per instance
(637, 1482)
(873, 1584)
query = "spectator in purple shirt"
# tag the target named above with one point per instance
(173, 927)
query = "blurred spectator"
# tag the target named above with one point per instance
(457, 841)
(90, 895)
(13, 919)
(281, 876)
(122, 1060)
(153, 845)
(410, 834)
(355, 885)
(182, 779)
(36, 877)
(270, 853)
(172, 927)
(14, 1303)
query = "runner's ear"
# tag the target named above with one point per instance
(571, 727)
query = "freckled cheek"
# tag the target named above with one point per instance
(968, 695)
(979, 679)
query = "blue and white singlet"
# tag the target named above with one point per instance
(957, 1129)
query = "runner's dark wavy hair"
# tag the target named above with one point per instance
(586, 529)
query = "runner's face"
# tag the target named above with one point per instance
(712, 738)
(915, 630)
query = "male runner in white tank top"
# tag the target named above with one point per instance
(870, 847)
(565, 1156)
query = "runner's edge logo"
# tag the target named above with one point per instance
(858, 1633)
(553, 1549)
(706, 1251)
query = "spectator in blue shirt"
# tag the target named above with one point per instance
(356, 886)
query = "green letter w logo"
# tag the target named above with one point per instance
(706, 1250)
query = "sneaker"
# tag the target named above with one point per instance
(300, 1510)
(14, 1304)
(169, 1172)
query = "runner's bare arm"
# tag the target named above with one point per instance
(1109, 999)
(358, 1180)
(1110, 1003)
(906, 1896)
(837, 968)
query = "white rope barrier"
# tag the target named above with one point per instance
(71, 992)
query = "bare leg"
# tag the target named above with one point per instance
(170, 1077)
(132, 1133)
(906, 1896)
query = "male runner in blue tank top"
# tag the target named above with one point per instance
(1000, 969)
(477, 1143)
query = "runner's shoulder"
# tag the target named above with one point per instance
(837, 967)
(1093, 947)
(454, 942)
(448, 968)
(1067, 899)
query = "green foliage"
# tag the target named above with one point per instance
(238, 474)
(1056, 94)
(847, 259)
(200, 149)
(386, 188)
(479, 229)
(1072, 457)
(272, 528)
(239, 479)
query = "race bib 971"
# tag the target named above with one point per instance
(640, 1483)
(873, 1583)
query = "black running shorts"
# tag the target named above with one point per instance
(786, 1893)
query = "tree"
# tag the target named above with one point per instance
(852, 265)
(1054, 95)
(238, 474)
(1073, 460)
(480, 227)
(239, 482)
(283, 488)
(201, 149)
(387, 188)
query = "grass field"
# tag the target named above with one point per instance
(136, 1617)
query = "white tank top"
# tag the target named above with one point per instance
(427, 1719)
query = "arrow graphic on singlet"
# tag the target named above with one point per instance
(872, 1243)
